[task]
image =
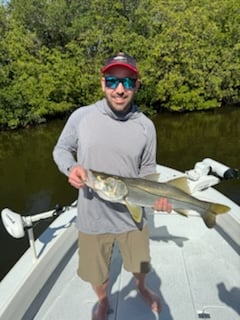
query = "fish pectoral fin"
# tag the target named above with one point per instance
(135, 211)
(183, 212)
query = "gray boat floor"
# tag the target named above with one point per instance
(196, 271)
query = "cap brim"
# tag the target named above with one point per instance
(132, 68)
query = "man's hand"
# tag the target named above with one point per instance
(77, 176)
(162, 204)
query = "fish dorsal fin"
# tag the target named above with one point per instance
(153, 177)
(180, 183)
(136, 213)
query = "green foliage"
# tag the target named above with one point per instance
(51, 53)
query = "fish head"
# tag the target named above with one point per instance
(108, 187)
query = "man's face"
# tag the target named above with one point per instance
(120, 98)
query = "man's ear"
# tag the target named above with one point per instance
(138, 85)
(103, 84)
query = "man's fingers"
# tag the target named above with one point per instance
(77, 177)
(162, 204)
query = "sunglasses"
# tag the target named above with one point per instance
(113, 82)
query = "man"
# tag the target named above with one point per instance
(110, 136)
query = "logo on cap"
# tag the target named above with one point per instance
(120, 58)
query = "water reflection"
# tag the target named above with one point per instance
(30, 181)
(185, 139)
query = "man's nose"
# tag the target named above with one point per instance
(120, 88)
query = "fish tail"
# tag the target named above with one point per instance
(214, 209)
(209, 219)
(217, 208)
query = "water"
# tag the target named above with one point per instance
(185, 139)
(31, 183)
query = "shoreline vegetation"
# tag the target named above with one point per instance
(51, 53)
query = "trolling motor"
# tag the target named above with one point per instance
(221, 170)
(208, 173)
(15, 224)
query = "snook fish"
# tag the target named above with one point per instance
(136, 193)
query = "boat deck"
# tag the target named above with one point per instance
(195, 270)
(197, 277)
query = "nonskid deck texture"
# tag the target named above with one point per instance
(194, 270)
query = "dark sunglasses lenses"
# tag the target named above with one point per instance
(113, 82)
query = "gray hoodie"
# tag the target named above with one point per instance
(97, 138)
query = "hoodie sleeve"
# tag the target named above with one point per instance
(64, 153)
(148, 161)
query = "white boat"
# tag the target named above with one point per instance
(195, 270)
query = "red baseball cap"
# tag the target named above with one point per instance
(123, 60)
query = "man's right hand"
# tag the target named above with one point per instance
(77, 176)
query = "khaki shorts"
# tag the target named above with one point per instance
(95, 253)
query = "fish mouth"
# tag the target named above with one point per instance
(112, 188)
(90, 182)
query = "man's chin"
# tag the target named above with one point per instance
(118, 106)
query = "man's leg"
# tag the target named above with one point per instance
(134, 247)
(152, 299)
(100, 313)
(95, 253)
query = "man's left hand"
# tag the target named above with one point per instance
(162, 204)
